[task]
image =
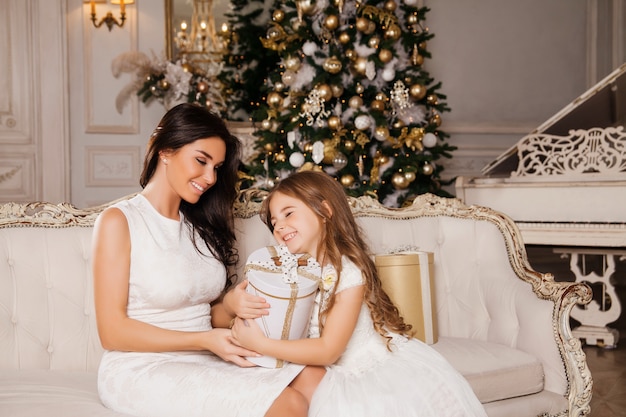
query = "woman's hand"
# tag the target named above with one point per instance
(224, 346)
(247, 333)
(240, 303)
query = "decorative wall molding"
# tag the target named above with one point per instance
(17, 177)
(606, 29)
(112, 166)
(16, 97)
(100, 47)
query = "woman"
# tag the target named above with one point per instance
(161, 264)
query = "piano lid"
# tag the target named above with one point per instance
(602, 106)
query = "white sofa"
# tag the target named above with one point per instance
(504, 326)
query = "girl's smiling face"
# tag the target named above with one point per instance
(295, 224)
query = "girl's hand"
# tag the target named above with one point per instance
(224, 346)
(247, 333)
(242, 304)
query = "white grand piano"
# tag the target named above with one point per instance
(564, 185)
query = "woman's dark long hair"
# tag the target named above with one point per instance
(212, 216)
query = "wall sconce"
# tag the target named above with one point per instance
(109, 20)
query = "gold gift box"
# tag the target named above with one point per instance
(408, 279)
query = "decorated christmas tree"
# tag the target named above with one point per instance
(246, 62)
(350, 96)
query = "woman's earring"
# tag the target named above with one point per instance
(164, 161)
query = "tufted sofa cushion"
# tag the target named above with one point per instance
(47, 314)
(495, 372)
(42, 393)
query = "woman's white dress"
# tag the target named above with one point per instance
(171, 286)
(370, 381)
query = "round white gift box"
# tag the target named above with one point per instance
(291, 303)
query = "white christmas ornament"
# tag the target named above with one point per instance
(429, 140)
(309, 48)
(318, 152)
(389, 74)
(291, 139)
(296, 159)
(362, 122)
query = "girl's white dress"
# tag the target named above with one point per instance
(370, 381)
(171, 286)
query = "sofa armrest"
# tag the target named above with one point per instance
(486, 288)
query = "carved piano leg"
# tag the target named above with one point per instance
(605, 307)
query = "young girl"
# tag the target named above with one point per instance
(372, 368)
(160, 266)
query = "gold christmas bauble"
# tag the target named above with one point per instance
(344, 38)
(269, 146)
(371, 28)
(410, 176)
(337, 90)
(278, 15)
(432, 99)
(377, 105)
(362, 24)
(359, 88)
(292, 63)
(374, 42)
(422, 45)
(308, 7)
(381, 133)
(393, 32)
(187, 67)
(349, 145)
(383, 159)
(266, 124)
(347, 180)
(280, 156)
(279, 86)
(351, 54)
(325, 92)
(164, 84)
(274, 99)
(334, 122)
(385, 55)
(288, 78)
(398, 124)
(308, 147)
(202, 87)
(272, 33)
(436, 120)
(427, 169)
(381, 96)
(360, 65)
(355, 102)
(331, 22)
(399, 182)
(418, 60)
(417, 91)
(390, 5)
(332, 65)
(412, 19)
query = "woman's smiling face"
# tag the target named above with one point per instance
(295, 224)
(193, 168)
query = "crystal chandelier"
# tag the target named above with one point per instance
(198, 43)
